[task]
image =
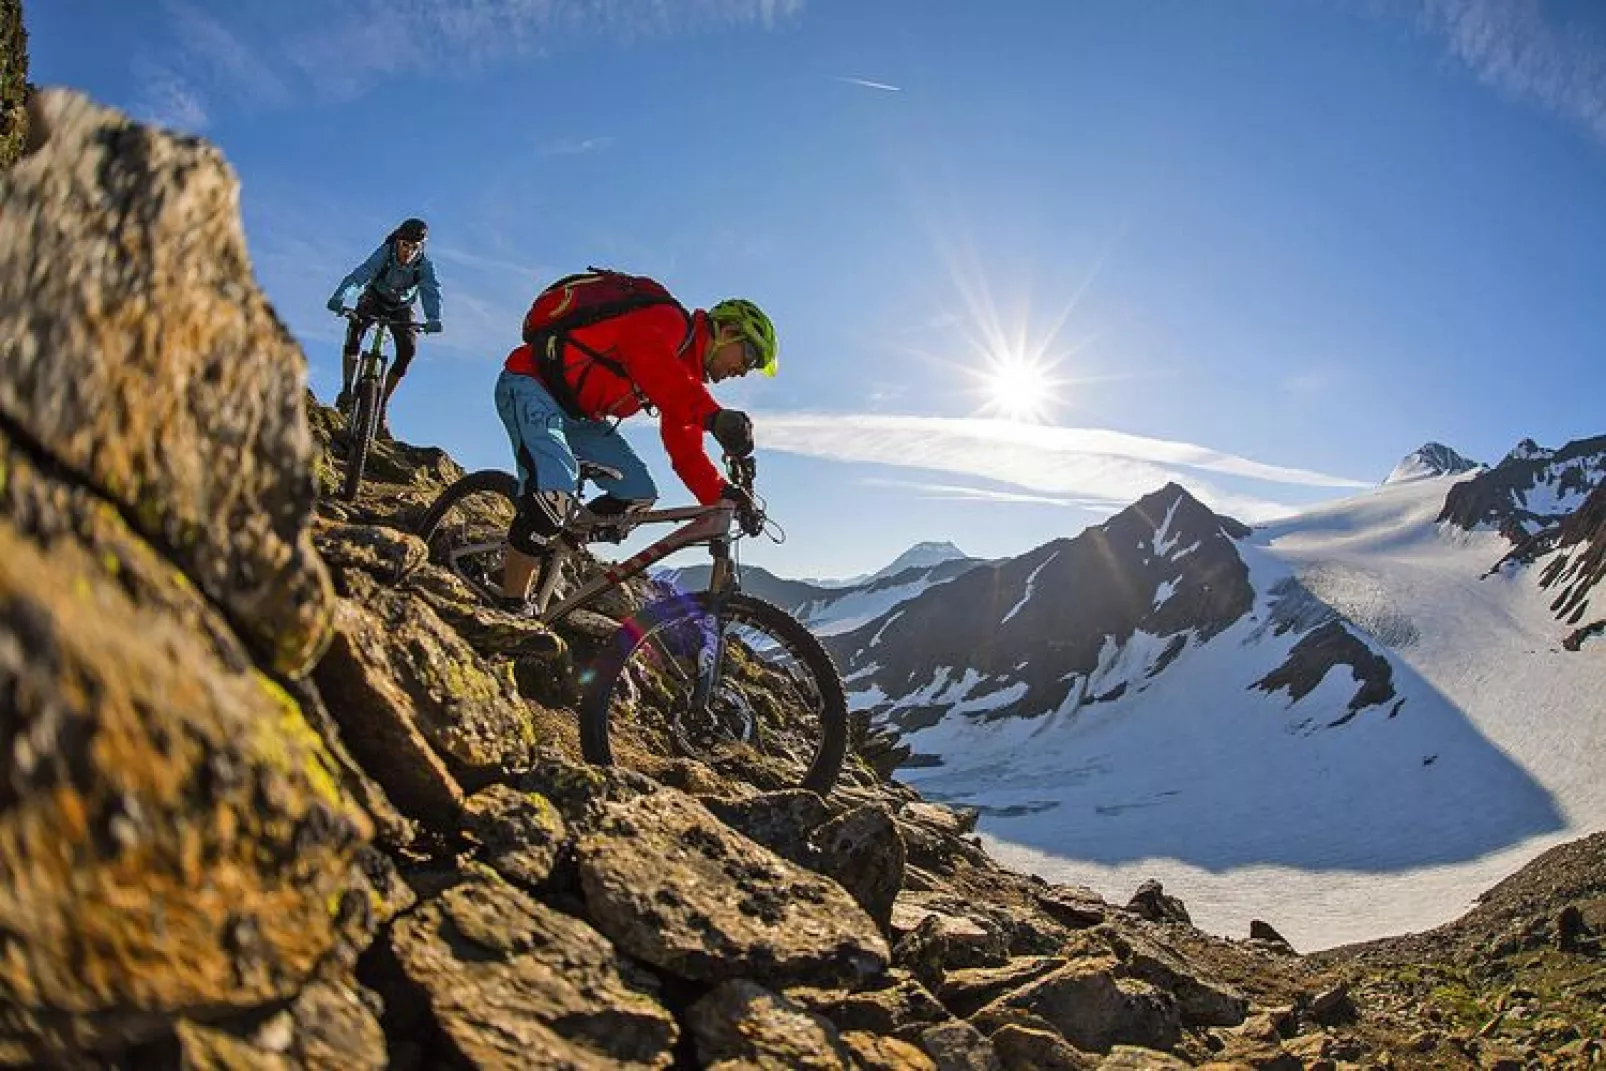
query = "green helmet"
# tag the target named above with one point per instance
(751, 324)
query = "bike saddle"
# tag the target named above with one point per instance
(590, 470)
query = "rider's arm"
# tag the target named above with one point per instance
(684, 445)
(429, 288)
(684, 404)
(360, 275)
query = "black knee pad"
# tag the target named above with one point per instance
(541, 515)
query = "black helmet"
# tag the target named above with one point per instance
(412, 229)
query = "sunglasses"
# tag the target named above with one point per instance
(752, 359)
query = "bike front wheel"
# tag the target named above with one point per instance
(466, 529)
(735, 683)
(360, 435)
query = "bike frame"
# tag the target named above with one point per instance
(708, 525)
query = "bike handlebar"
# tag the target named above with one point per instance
(391, 322)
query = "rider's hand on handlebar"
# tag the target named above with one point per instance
(432, 327)
(748, 515)
(734, 430)
(336, 306)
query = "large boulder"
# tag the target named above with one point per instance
(511, 983)
(173, 835)
(141, 357)
(670, 884)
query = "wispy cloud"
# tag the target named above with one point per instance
(967, 493)
(166, 99)
(1528, 49)
(363, 40)
(576, 148)
(1091, 466)
(267, 54)
(867, 84)
(227, 58)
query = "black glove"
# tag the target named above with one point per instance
(748, 514)
(734, 430)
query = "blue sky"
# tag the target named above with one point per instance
(1262, 248)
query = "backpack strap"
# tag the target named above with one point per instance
(548, 345)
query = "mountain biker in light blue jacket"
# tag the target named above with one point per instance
(392, 278)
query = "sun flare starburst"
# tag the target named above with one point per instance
(1018, 388)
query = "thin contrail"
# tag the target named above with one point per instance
(866, 83)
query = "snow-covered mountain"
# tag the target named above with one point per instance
(1353, 719)
(833, 609)
(1531, 489)
(1429, 460)
(920, 556)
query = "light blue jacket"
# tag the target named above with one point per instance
(397, 283)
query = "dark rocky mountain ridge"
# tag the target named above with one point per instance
(264, 805)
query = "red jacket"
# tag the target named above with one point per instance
(665, 363)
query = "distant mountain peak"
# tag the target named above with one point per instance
(1428, 461)
(1528, 450)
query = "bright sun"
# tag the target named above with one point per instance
(1018, 388)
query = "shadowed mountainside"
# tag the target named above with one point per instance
(276, 791)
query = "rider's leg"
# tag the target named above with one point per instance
(348, 354)
(406, 347)
(600, 442)
(549, 475)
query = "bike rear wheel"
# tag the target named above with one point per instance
(360, 435)
(774, 714)
(466, 529)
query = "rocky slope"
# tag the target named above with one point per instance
(275, 792)
(13, 82)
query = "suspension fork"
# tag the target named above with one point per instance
(711, 663)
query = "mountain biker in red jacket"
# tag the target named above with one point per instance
(666, 355)
(392, 278)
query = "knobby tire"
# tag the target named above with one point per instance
(360, 433)
(486, 481)
(753, 613)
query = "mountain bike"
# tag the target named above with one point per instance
(367, 396)
(717, 675)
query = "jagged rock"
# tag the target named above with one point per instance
(965, 992)
(903, 1008)
(1333, 1006)
(1201, 1001)
(1073, 905)
(489, 631)
(581, 793)
(328, 1026)
(1151, 902)
(383, 553)
(511, 983)
(1135, 1058)
(671, 885)
(395, 661)
(958, 1046)
(743, 1025)
(521, 834)
(1021, 1048)
(375, 718)
(872, 1052)
(1256, 1044)
(864, 853)
(1264, 931)
(939, 819)
(966, 940)
(1094, 1009)
(146, 362)
(159, 806)
(784, 822)
(334, 1027)
(922, 951)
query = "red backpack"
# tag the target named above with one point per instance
(578, 301)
